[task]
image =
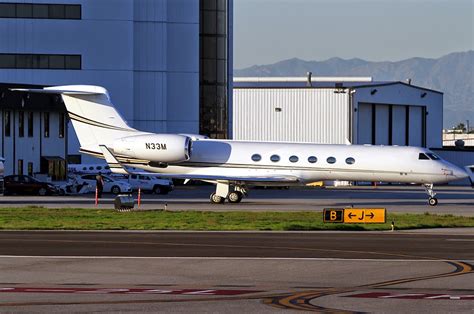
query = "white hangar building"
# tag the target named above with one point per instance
(167, 64)
(336, 110)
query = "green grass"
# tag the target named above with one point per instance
(38, 218)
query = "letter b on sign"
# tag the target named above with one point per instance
(333, 215)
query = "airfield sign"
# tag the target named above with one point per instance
(355, 215)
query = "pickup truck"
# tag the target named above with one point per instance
(149, 183)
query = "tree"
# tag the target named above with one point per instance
(460, 127)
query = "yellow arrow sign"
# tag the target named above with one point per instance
(364, 215)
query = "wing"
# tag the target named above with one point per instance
(223, 178)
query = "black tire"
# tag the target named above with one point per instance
(235, 197)
(115, 190)
(216, 199)
(157, 189)
(433, 201)
(42, 192)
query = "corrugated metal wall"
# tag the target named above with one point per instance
(293, 115)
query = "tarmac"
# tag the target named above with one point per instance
(203, 272)
(423, 271)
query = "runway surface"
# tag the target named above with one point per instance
(411, 199)
(235, 272)
(374, 245)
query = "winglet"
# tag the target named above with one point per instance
(114, 164)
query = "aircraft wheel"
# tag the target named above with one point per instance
(433, 201)
(235, 197)
(216, 199)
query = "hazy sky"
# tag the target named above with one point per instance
(267, 31)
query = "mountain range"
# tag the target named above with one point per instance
(452, 74)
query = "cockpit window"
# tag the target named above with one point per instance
(422, 156)
(433, 156)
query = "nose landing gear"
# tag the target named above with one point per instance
(432, 200)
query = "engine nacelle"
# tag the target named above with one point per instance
(155, 147)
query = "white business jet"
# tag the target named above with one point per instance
(235, 165)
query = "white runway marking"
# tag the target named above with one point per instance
(229, 258)
(460, 240)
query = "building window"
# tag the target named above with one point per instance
(7, 123)
(46, 124)
(21, 124)
(40, 61)
(350, 161)
(30, 169)
(256, 157)
(30, 124)
(312, 159)
(62, 123)
(40, 11)
(294, 158)
(331, 160)
(213, 68)
(20, 166)
(275, 158)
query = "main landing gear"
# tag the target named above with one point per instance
(432, 200)
(223, 192)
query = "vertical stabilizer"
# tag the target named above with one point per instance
(93, 116)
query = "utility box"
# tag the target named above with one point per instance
(124, 201)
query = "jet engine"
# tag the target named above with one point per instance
(155, 147)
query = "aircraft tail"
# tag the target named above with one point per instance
(93, 115)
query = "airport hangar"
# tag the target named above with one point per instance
(167, 65)
(336, 111)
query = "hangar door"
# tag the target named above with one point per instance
(384, 124)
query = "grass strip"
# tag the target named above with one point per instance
(39, 218)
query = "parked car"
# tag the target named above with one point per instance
(22, 184)
(111, 185)
(149, 183)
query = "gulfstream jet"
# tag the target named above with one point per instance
(233, 166)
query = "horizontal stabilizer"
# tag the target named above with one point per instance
(114, 164)
(66, 90)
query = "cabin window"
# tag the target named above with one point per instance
(331, 160)
(294, 158)
(312, 159)
(433, 156)
(350, 161)
(422, 156)
(256, 157)
(275, 158)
